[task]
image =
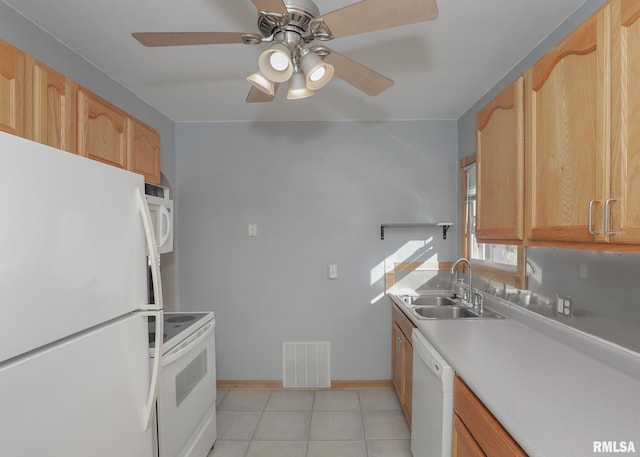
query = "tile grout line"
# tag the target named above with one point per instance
(306, 451)
(364, 430)
(264, 407)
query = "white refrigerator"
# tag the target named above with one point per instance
(74, 359)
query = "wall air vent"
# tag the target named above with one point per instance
(306, 365)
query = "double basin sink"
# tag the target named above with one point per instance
(443, 306)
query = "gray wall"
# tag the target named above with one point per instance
(24, 35)
(318, 193)
(604, 287)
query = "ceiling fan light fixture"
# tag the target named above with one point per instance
(317, 72)
(275, 63)
(298, 87)
(262, 83)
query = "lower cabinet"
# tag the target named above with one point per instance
(464, 445)
(476, 433)
(402, 359)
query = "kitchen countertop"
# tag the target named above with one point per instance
(553, 399)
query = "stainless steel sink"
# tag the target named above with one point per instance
(444, 312)
(442, 306)
(429, 300)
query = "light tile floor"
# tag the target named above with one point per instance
(303, 423)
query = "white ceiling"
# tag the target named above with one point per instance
(440, 68)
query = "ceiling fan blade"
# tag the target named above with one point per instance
(370, 15)
(271, 6)
(257, 96)
(153, 39)
(364, 78)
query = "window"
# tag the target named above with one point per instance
(499, 262)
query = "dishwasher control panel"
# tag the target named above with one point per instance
(432, 359)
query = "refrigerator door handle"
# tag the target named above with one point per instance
(154, 257)
(155, 309)
(149, 407)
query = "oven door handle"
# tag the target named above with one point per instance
(154, 257)
(150, 405)
(173, 356)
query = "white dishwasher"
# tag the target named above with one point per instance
(432, 406)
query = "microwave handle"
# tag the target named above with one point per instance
(164, 228)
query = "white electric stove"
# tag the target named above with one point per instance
(186, 414)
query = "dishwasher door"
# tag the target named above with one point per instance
(432, 407)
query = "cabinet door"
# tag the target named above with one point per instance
(402, 369)
(567, 141)
(407, 406)
(484, 428)
(500, 142)
(624, 208)
(397, 361)
(102, 130)
(144, 153)
(12, 85)
(463, 443)
(51, 116)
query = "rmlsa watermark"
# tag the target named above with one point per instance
(614, 447)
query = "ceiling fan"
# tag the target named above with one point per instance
(291, 27)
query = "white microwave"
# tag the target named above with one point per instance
(161, 209)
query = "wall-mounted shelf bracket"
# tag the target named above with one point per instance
(445, 226)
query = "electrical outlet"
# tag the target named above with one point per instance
(333, 271)
(564, 305)
(252, 229)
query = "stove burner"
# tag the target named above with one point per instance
(181, 318)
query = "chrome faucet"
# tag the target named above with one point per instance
(470, 297)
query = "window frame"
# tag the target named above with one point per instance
(487, 269)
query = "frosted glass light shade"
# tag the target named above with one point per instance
(259, 81)
(275, 63)
(317, 72)
(298, 87)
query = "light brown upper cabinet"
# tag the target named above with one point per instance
(623, 202)
(567, 105)
(51, 107)
(103, 130)
(500, 159)
(144, 153)
(43, 105)
(12, 85)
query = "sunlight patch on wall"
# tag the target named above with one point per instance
(414, 251)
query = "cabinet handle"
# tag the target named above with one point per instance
(591, 217)
(607, 211)
(399, 344)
